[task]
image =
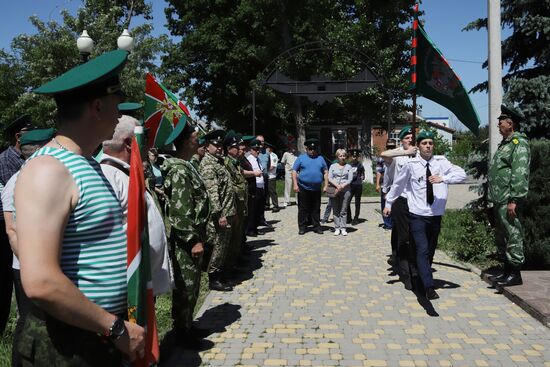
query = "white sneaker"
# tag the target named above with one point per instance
(337, 232)
(344, 232)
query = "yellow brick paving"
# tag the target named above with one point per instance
(321, 300)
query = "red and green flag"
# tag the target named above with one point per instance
(163, 111)
(433, 78)
(141, 308)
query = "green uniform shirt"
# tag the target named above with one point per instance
(218, 185)
(508, 177)
(240, 185)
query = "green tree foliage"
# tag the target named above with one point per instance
(225, 47)
(37, 58)
(464, 145)
(527, 54)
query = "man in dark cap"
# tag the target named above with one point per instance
(425, 178)
(310, 176)
(65, 206)
(11, 161)
(356, 186)
(508, 184)
(217, 181)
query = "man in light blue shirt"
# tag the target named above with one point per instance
(425, 178)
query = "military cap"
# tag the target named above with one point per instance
(425, 134)
(129, 107)
(354, 152)
(232, 139)
(248, 138)
(215, 137)
(18, 124)
(510, 113)
(312, 143)
(36, 136)
(255, 144)
(406, 130)
(95, 78)
(269, 145)
(180, 126)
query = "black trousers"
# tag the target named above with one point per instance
(23, 307)
(272, 193)
(6, 276)
(356, 191)
(401, 243)
(256, 204)
(309, 207)
(425, 231)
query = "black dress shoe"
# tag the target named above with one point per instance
(265, 224)
(217, 285)
(275, 210)
(355, 221)
(318, 231)
(302, 232)
(431, 293)
(513, 279)
(251, 233)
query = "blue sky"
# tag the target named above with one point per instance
(443, 21)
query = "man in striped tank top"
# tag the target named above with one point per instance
(72, 246)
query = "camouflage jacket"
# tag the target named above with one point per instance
(218, 185)
(240, 185)
(195, 161)
(188, 204)
(508, 177)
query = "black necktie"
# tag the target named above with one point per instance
(429, 186)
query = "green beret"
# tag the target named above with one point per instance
(215, 137)
(425, 134)
(180, 126)
(36, 136)
(95, 78)
(18, 124)
(406, 130)
(312, 143)
(127, 107)
(510, 113)
(248, 138)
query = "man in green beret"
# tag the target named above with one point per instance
(222, 206)
(65, 206)
(508, 184)
(425, 178)
(188, 218)
(11, 161)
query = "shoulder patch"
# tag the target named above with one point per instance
(515, 141)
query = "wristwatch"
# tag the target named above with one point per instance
(116, 330)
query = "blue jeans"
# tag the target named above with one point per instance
(388, 222)
(425, 231)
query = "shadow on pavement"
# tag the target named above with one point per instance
(451, 266)
(215, 319)
(445, 284)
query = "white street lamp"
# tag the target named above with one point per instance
(85, 45)
(125, 41)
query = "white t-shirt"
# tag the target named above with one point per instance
(8, 205)
(288, 160)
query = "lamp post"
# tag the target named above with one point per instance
(85, 45)
(125, 41)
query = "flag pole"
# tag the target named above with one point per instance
(413, 69)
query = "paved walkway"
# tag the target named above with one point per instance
(321, 300)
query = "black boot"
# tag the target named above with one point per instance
(431, 293)
(513, 279)
(503, 275)
(215, 284)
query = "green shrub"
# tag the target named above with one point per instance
(466, 236)
(536, 215)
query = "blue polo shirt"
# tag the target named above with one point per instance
(310, 171)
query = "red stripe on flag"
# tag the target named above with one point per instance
(415, 24)
(414, 42)
(413, 77)
(413, 60)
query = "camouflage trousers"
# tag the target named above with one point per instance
(187, 279)
(237, 234)
(509, 235)
(220, 240)
(51, 342)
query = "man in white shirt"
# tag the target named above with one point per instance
(425, 178)
(256, 206)
(115, 164)
(288, 160)
(272, 179)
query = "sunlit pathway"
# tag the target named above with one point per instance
(321, 300)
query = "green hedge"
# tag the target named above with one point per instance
(536, 216)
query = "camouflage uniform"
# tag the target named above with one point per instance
(240, 187)
(222, 204)
(188, 214)
(195, 161)
(508, 181)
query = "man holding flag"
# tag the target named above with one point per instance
(72, 245)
